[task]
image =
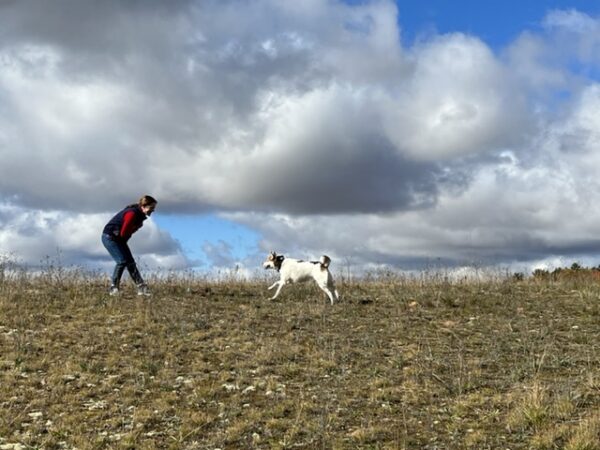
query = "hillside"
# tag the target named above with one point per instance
(397, 364)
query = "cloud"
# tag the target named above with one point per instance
(287, 108)
(219, 254)
(486, 224)
(572, 21)
(33, 237)
(530, 207)
(310, 111)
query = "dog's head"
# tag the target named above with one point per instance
(273, 261)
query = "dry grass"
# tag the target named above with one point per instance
(397, 364)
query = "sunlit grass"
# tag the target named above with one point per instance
(399, 363)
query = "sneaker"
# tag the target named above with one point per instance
(143, 290)
(113, 291)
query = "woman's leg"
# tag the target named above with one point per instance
(131, 266)
(121, 253)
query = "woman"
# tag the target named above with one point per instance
(115, 235)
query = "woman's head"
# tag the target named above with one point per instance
(147, 204)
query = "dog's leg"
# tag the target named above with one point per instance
(281, 283)
(327, 291)
(332, 288)
(273, 285)
(330, 296)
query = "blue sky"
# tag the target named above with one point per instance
(197, 231)
(384, 134)
(497, 23)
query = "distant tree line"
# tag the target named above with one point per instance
(576, 271)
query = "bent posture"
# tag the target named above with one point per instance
(294, 271)
(115, 235)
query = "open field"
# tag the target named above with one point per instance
(397, 364)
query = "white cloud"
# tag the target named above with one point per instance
(571, 20)
(459, 100)
(32, 237)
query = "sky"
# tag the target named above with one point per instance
(389, 135)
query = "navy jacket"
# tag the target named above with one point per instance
(125, 223)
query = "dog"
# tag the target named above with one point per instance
(295, 271)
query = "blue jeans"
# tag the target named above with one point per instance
(119, 250)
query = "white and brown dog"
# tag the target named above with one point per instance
(295, 271)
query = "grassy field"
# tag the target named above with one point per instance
(397, 364)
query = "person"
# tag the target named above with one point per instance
(115, 235)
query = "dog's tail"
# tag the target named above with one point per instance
(325, 261)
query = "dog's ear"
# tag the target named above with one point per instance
(272, 256)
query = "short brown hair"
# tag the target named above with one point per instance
(147, 200)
